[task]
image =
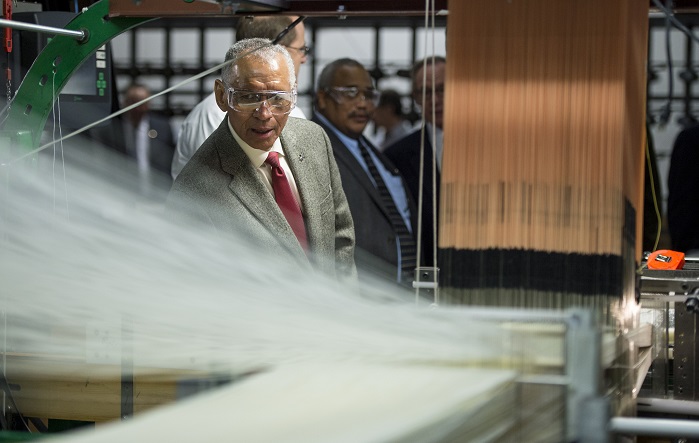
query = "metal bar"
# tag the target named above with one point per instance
(168, 62)
(664, 298)
(656, 427)
(548, 379)
(169, 8)
(132, 56)
(203, 91)
(688, 81)
(79, 35)
(587, 411)
(571, 317)
(685, 354)
(676, 282)
(667, 406)
(127, 368)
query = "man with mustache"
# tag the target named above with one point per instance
(269, 177)
(381, 207)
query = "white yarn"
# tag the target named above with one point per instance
(118, 279)
(339, 403)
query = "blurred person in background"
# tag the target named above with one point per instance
(144, 136)
(426, 75)
(389, 120)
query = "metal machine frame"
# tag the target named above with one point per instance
(587, 411)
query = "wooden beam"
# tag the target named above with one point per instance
(183, 8)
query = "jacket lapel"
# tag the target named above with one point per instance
(301, 165)
(247, 185)
(344, 156)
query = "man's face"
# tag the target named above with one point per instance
(349, 115)
(382, 116)
(435, 78)
(257, 127)
(295, 48)
(135, 95)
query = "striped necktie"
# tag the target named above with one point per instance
(285, 199)
(407, 242)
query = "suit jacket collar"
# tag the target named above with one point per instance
(302, 166)
(343, 155)
(246, 183)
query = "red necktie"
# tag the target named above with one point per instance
(285, 199)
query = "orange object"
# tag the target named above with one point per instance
(666, 259)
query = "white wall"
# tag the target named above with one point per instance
(331, 44)
(394, 53)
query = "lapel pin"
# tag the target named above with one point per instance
(301, 157)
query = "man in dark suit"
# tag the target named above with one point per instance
(380, 205)
(233, 181)
(405, 153)
(683, 192)
(140, 134)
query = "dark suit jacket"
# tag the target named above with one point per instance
(405, 154)
(220, 186)
(376, 251)
(683, 188)
(162, 142)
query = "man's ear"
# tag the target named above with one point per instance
(321, 100)
(417, 100)
(221, 93)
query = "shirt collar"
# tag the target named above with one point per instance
(347, 141)
(257, 157)
(439, 139)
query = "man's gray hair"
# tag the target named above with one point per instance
(257, 47)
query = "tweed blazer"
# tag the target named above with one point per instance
(220, 186)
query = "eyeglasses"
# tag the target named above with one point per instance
(439, 91)
(304, 49)
(343, 94)
(278, 102)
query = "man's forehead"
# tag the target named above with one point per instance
(438, 81)
(259, 70)
(438, 71)
(256, 62)
(352, 76)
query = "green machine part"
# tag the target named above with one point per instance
(52, 69)
(26, 118)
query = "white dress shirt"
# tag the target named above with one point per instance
(257, 158)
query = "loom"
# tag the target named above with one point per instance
(558, 352)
